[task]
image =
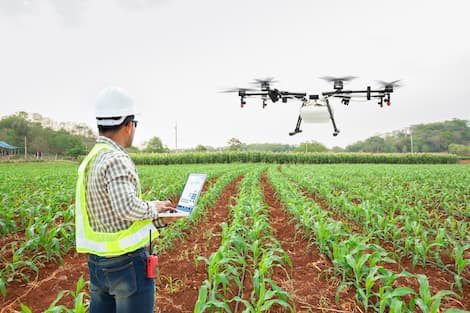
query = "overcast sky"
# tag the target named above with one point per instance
(174, 56)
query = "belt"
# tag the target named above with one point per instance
(130, 254)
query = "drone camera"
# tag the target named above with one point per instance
(345, 101)
(284, 100)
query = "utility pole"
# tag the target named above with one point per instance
(25, 149)
(411, 139)
(176, 136)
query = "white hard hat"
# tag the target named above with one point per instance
(113, 102)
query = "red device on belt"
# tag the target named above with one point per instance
(152, 261)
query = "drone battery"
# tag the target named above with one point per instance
(152, 264)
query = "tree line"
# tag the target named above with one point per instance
(20, 129)
(47, 137)
(449, 136)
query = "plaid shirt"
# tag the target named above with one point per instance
(112, 192)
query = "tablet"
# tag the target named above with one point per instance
(189, 197)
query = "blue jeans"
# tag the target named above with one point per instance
(120, 284)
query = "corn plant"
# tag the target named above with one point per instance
(248, 251)
(460, 263)
(430, 303)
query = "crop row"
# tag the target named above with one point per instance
(357, 260)
(240, 271)
(290, 157)
(397, 206)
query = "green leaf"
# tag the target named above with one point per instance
(422, 305)
(438, 297)
(201, 300)
(401, 291)
(59, 296)
(268, 304)
(25, 309)
(3, 289)
(424, 290)
(396, 306)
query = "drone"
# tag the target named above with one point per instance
(316, 108)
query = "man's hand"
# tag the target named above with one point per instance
(164, 206)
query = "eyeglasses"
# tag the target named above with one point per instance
(135, 122)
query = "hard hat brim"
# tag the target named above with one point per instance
(110, 121)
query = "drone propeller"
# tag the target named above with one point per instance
(264, 83)
(266, 80)
(237, 90)
(392, 84)
(338, 81)
(335, 79)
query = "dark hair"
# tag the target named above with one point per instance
(114, 128)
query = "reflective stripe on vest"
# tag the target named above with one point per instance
(100, 243)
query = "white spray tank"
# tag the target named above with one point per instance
(315, 112)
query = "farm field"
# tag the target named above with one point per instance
(263, 238)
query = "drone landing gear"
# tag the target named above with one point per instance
(335, 129)
(297, 127)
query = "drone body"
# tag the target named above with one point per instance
(313, 109)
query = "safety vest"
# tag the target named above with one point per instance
(100, 243)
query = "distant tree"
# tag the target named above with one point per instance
(200, 148)
(462, 150)
(337, 149)
(311, 147)
(155, 145)
(76, 150)
(132, 149)
(235, 144)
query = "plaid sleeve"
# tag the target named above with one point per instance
(158, 223)
(121, 183)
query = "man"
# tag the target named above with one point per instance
(112, 223)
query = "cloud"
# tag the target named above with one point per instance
(71, 11)
(19, 7)
(139, 4)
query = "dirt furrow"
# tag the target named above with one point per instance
(180, 273)
(310, 284)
